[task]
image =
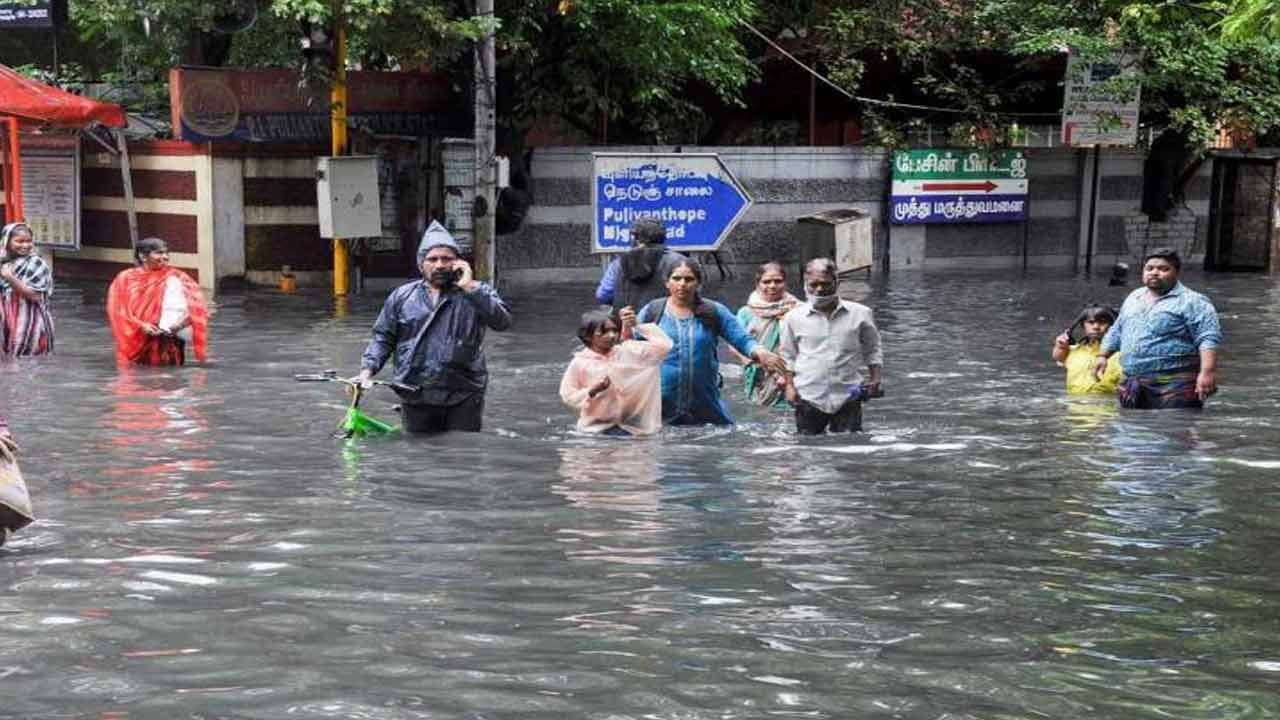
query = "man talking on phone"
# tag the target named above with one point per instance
(434, 329)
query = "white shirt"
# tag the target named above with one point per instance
(827, 353)
(173, 308)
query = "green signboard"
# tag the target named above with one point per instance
(958, 186)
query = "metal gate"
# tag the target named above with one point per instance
(1240, 214)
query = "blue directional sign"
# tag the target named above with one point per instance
(693, 195)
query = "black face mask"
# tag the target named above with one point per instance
(444, 277)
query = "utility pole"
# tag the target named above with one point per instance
(485, 224)
(338, 131)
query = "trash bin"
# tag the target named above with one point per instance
(843, 235)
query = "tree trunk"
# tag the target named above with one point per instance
(206, 48)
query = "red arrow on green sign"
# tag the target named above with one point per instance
(984, 186)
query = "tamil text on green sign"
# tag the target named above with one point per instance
(958, 186)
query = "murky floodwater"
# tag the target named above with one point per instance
(988, 550)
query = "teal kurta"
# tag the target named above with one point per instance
(691, 372)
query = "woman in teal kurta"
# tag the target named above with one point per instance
(762, 318)
(691, 372)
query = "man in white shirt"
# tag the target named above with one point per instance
(826, 342)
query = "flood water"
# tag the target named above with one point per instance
(988, 549)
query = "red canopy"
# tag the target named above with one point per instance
(39, 104)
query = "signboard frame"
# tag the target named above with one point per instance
(1080, 115)
(945, 187)
(654, 158)
(37, 163)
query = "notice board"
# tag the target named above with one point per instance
(51, 193)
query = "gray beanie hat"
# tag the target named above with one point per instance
(436, 236)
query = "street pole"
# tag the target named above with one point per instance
(338, 130)
(485, 224)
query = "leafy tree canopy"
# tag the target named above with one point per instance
(980, 55)
(650, 68)
(584, 61)
(1250, 19)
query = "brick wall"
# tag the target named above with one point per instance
(168, 177)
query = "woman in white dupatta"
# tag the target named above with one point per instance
(762, 317)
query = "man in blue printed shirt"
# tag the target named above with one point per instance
(1168, 338)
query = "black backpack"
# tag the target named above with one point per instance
(705, 311)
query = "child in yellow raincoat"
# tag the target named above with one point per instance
(1078, 357)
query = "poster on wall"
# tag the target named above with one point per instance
(1100, 101)
(958, 186)
(389, 194)
(51, 195)
(694, 195)
(458, 161)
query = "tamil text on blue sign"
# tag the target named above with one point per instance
(958, 186)
(693, 195)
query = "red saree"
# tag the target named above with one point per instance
(136, 297)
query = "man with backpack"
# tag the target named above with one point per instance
(640, 275)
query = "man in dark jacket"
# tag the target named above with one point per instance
(640, 275)
(434, 329)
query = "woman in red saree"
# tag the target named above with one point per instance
(156, 310)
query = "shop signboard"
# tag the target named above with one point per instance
(214, 104)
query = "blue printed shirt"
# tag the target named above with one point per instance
(1163, 336)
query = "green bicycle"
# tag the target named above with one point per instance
(356, 423)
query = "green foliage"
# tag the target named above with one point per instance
(649, 69)
(627, 60)
(1192, 77)
(1250, 19)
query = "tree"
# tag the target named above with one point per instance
(985, 58)
(624, 64)
(1250, 19)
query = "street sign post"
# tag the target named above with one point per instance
(958, 186)
(693, 195)
(1100, 102)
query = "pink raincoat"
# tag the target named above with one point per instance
(633, 400)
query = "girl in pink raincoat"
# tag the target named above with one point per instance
(615, 382)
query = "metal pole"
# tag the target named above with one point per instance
(485, 223)
(15, 174)
(6, 176)
(1093, 210)
(126, 177)
(813, 111)
(338, 131)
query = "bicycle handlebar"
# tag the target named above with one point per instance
(332, 376)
